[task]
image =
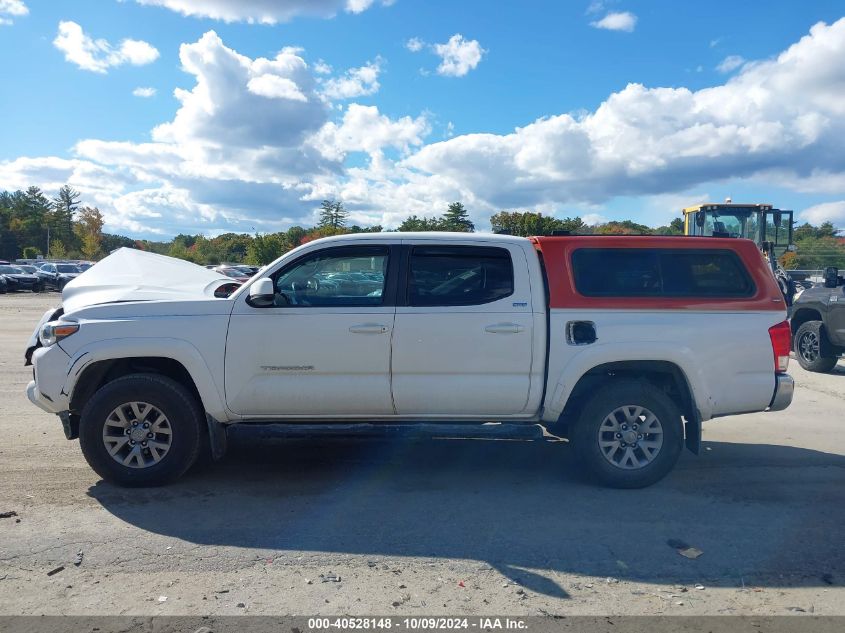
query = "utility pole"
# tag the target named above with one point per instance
(48, 241)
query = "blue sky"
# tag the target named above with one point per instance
(393, 131)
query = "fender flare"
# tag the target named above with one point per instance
(178, 350)
(592, 356)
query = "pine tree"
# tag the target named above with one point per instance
(332, 215)
(457, 219)
(340, 215)
(65, 205)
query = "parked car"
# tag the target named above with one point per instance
(57, 276)
(235, 272)
(818, 323)
(17, 279)
(622, 344)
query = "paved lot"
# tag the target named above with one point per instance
(447, 527)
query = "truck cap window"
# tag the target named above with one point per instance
(458, 275)
(643, 272)
(337, 277)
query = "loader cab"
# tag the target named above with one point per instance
(759, 223)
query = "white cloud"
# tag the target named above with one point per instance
(250, 139)
(414, 44)
(145, 93)
(365, 129)
(263, 11)
(355, 82)
(238, 155)
(239, 102)
(617, 21)
(779, 119)
(730, 63)
(592, 219)
(98, 55)
(13, 8)
(458, 55)
(322, 68)
(826, 212)
(276, 87)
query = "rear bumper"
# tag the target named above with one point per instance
(784, 388)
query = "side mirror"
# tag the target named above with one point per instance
(699, 218)
(261, 293)
(831, 277)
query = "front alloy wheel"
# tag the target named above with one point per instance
(137, 435)
(141, 430)
(812, 349)
(808, 346)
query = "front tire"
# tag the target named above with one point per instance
(141, 430)
(812, 349)
(628, 435)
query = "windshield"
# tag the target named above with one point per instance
(735, 222)
(67, 268)
(11, 270)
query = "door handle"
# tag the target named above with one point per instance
(504, 328)
(368, 328)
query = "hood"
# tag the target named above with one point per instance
(132, 275)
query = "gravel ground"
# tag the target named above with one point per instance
(424, 527)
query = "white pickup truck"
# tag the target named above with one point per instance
(622, 344)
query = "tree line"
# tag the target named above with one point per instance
(33, 224)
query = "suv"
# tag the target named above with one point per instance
(818, 323)
(603, 340)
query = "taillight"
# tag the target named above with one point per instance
(781, 337)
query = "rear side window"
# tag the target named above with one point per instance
(642, 272)
(458, 275)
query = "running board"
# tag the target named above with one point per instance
(422, 430)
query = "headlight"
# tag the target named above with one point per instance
(54, 332)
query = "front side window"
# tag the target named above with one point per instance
(339, 277)
(458, 275)
(643, 272)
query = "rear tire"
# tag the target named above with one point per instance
(812, 349)
(628, 435)
(112, 431)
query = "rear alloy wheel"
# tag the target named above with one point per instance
(141, 430)
(630, 437)
(629, 434)
(812, 349)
